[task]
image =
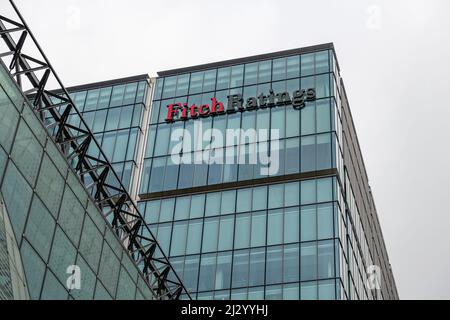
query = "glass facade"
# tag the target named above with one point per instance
(307, 231)
(114, 113)
(233, 233)
(54, 223)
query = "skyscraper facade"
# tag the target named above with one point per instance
(305, 229)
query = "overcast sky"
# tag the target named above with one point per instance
(394, 58)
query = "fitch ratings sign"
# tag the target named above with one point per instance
(182, 111)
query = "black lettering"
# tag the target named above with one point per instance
(262, 99)
(283, 99)
(298, 99)
(235, 101)
(310, 94)
(252, 103)
(271, 98)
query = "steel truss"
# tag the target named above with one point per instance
(57, 111)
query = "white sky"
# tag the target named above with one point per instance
(394, 58)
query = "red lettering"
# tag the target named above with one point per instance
(193, 111)
(216, 107)
(172, 111)
(203, 110)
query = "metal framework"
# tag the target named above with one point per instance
(57, 111)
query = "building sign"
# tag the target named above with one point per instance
(182, 111)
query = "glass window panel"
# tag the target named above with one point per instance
(256, 293)
(278, 121)
(322, 62)
(40, 227)
(292, 194)
(126, 115)
(182, 208)
(293, 67)
(251, 73)
(308, 290)
(141, 91)
(152, 210)
(196, 82)
(162, 140)
(91, 101)
(226, 233)
(307, 64)
(121, 146)
(240, 268)
(179, 234)
(62, 255)
(292, 122)
(169, 87)
(290, 263)
(182, 85)
(210, 235)
(326, 259)
(274, 264)
(53, 290)
(209, 82)
(190, 273)
(212, 204)
(291, 225)
(130, 93)
(324, 151)
(323, 115)
(258, 230)
(264, 73)
(259, 198)
(228, 202)
(275, 227)
(325, 190)
(274, 293)
(194, 238)
(323, 85)
(291, 291)
(34, 269)
(104, 97)
(131, 144)
(197, 206)
(71, 216)
(242, 232)
(137, 112)
(308, 261)
(164, 234)
(257, 266)
(308, 119)
(223, 78)
(117, 96)
(279, 69)
(308, 154)
(167, 208)
(159, 87)
(244, 200)
(27, 153)
(171, 176)
(237, 74)
(157, 174)
(327, 290)
(50, 186)
(99, 121)
(223, 271)
(308, 223)
(276, 195)
(207, 272)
